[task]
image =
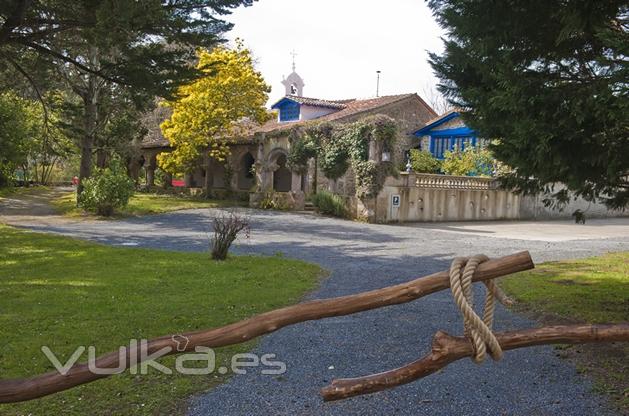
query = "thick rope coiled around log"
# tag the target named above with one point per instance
(476, 329)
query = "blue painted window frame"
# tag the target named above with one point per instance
(440, 143)
(289, 111)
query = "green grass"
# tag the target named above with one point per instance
(8, 191)
(143, 204)
(592, 290)
(63, 293)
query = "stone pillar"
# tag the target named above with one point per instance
(150, 170)
(295, 184)
(233, 182)
(209, 179)
(187, 179)
(168, 180)
(299, 198)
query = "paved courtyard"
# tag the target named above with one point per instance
(361, 257)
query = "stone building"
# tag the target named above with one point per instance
(257, 166)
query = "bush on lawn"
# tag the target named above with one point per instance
(422, 161)
(329, 204)
(226, 227)
(107, 190)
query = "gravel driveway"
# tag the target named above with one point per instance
(360, 257)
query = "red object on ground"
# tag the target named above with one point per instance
(178, 183)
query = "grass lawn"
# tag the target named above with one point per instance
(64, 293)
(8, 191)
(593, 290)
(143, 204)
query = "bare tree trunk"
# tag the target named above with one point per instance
(101, 159)
(315, 178)
(133, 169)
(90, 120)
(46, 170)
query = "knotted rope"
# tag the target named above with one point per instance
(476, 329)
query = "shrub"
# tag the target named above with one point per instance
(226, 226)
(422, 161)
(107, 190)
(329, 204)
(273, 200)
(469, 162)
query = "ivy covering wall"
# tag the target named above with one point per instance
(337, 147)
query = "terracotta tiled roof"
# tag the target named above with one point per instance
(352, 107)
(347, 109)
(316, 102)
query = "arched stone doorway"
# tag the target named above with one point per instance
(282, 176)
(246, 176)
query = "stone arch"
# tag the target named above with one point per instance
(282, 176)
(218, 174)
(246, 176)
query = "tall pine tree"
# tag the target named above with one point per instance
(549, 79)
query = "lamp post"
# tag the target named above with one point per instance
(378, 83)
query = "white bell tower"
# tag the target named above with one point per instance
(294, 84)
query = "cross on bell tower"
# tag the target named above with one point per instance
(294, 84)
(293, 54)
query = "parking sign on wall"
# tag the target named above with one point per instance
(395, 200)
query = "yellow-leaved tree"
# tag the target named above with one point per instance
(208, 111)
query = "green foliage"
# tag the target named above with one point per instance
(337, 148)
(114, 58)
(330, 204)
(28, 143)
(370, 177)
(472, 161)
(15, 130)
(145, 44)
(63, 292)
(210, 110)
(305, 145)
(274, 200)
(334, 159)
(549, 79)
(107, 190)
(423, 161)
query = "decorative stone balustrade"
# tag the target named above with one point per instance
(425, 180)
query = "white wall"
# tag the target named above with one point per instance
(309, 112)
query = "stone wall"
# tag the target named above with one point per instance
(433, 198)
(532, 207)
(429, 198)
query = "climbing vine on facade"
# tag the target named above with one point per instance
(336, 148)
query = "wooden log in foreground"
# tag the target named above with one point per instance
(447, 349)
(17, 390)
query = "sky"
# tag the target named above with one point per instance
(340, 44)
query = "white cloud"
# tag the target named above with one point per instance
(341, 43)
